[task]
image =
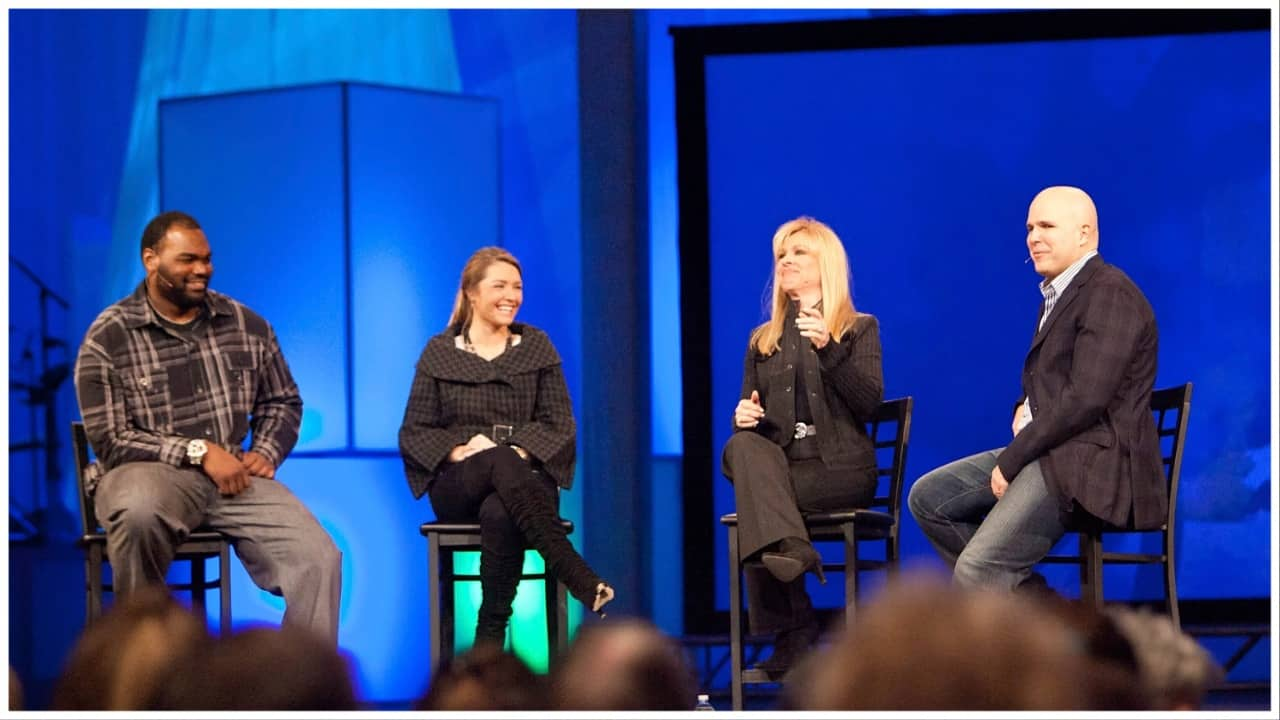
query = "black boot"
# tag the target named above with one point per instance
(789, 646)
(537, 519)
(794, 557)
(499, 578)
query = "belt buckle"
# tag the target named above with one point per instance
(802, 431)
(502, 433)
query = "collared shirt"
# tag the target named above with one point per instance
(1052, 290)
(145, 390)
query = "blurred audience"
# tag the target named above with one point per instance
(15, 690)
(485, 678)
(927, 645)
(628, 665)
(1176, 671)
(124, 656)
(922, 645)
(281, 669)
(1113, 679)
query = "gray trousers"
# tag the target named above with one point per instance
(771, 490)
(148, 508)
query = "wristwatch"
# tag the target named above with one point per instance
(196, 450)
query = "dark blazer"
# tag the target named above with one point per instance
(1089, 375)
(457, 394)
(845, 385)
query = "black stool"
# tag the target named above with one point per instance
(1172, 409)
(445, 539)
(890, 432)
(201, 545)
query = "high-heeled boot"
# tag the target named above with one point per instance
(499, 580)
(536, 517)
(793, 558)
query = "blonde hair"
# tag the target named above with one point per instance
(472, 273)
(833, 271)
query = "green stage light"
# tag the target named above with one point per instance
(527, 634)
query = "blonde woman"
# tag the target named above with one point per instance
(810, 381)
(488, 434)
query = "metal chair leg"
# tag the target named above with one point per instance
(224, 590)
(1094, 541)
(434, 598)
(199, 586)
(850, 572)
(93, 583)
(448, 593)
(1171, 588)
(735, 619)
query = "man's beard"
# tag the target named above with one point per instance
(175, 292)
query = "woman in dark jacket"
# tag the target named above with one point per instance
(810, 381)
(489, 433)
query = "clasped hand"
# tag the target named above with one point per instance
(477, 443)
(233, 475)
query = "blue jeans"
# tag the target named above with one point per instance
(989, 543)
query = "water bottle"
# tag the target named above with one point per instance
(704, 703)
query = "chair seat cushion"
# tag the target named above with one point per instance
(199, 536)
(862, 518)
(470, 528)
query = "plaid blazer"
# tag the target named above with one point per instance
(457, 394)
(1088, 376)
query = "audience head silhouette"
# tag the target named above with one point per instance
(261, 669)
(126, 655)
(627, 665)
(485, 678)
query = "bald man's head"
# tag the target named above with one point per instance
(1062, 225)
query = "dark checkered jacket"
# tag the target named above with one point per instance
(1089, 375)
(457, 394)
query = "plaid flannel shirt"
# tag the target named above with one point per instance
(145, 391)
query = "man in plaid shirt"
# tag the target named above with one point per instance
(170, 381)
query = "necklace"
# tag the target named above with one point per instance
(471, 348)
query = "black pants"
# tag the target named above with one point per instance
(467, 492)
(772, 487)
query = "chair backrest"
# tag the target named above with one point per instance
(1172, 408)
(890, 431)
(80, 445)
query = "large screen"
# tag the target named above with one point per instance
(924, 159)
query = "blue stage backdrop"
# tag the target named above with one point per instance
(87, 88)
(342, 213)
(924, 159)
(922, 168)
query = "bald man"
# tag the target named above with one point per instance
(1084, 441)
